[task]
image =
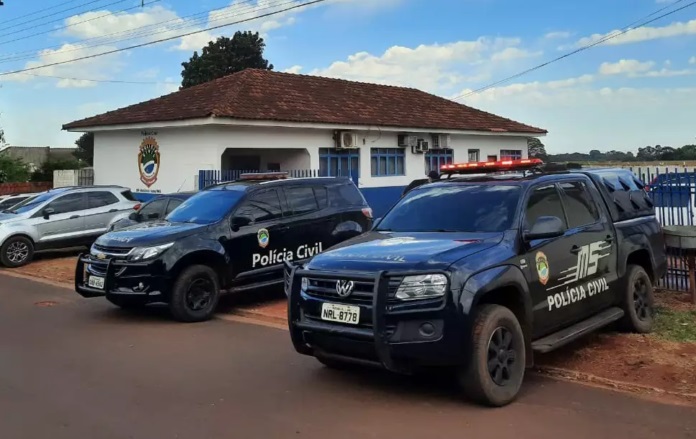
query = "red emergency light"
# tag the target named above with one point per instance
(486, 167)
(264, 176)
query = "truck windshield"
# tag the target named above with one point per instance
(454, 208)
(30, 203)
(206, 207)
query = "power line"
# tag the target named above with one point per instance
(111, 81)
(131, 35)
(139, 32)
(586, 47)
(136, 46)
(54, 14)
(37, 12)
(57, 19)
(76, 23)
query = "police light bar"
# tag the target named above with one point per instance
(486, 167)
(264, 176)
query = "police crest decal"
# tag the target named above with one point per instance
(542, 266)
(148, 161)
(263, 237)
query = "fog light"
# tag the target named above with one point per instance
(304, 284)
(427, 329)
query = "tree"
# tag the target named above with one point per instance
(536, 148)
(13, 170)
(45, 172)
(85, 149)
(224, 57)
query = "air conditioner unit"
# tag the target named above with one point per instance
(421, 147)
(441, 141)
(347, 139)
(406, 140)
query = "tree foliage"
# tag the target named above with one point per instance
(224, 57)
(45, 172)
(536, 149)
(648, 153)
(85, 149)
(13, 170)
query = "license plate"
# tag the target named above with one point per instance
(96, 282)
(340, 313)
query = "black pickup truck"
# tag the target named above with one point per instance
(477, 273)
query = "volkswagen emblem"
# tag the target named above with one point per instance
(344, 287)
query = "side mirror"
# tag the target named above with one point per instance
(135, 216)
(545, 227)
(47, 212)
(239, 222)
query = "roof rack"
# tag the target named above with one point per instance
(274, 175)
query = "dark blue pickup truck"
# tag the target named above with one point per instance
(477, 273)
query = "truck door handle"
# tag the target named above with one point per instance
(74, 217)
(575, 249)
(609, 239)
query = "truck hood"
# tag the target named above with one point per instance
(375, 251)
(149, 234)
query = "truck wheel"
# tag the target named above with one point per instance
(195, 294)
(495, 371)
(16, 251)
(638, 301)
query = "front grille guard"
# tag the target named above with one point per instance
(380, 310)
(114, 267)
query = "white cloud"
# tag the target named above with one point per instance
(645, 33)
(99, 68)
(692, 60)
(429, 67)
(293, 69)
(625, 67)
(667, 73)
(557, 35)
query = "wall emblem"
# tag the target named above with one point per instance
(149, 161)
(263, 237)
(542, 266)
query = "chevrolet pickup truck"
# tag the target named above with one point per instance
(482, 270)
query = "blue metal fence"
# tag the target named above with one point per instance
(209, 177)
(673, 192)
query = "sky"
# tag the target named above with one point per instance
(633, 90)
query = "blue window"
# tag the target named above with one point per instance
(436, 158)
(510, 154)
(387, 161)
(339, 162)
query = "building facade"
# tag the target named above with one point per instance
(383, 137)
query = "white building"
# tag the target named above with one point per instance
(383, 136)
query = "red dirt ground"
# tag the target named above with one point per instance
(645, 360)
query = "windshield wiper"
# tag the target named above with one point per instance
(9, 211)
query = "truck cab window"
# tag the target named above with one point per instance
(580, 207)
(544, 201)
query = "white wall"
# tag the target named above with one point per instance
(184, 151)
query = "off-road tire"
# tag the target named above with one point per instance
(475, 379)
(127, 303)
(8, 251)
(180, 303)
(637, 301)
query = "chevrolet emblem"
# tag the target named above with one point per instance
(101, 256)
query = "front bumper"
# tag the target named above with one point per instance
(398, 336)
(145, 280)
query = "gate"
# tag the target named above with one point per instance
(85, 177)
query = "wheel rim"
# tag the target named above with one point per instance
(199, 294)
(17, 252)
(501, 356)
(641, 299)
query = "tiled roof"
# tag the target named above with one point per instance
(272, 96)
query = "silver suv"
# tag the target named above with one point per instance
(59, 218)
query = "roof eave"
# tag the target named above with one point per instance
(229, 121)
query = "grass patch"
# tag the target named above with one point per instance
(676, 325)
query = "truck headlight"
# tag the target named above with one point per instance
(144, 253)
(426, 286)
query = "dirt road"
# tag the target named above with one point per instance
(73, 368)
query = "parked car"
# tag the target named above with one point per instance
(8, 201)
(59, 218)
(155, 209)
(480, 273)
(232, 236)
